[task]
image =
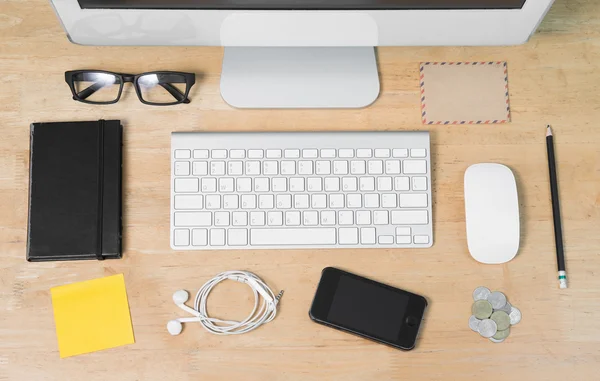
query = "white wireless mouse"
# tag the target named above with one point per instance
(492, 213)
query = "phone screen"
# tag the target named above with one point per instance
(374, 310)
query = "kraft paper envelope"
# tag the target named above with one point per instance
(464, 93)
(92, 315)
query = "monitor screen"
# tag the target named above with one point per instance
(304, 4)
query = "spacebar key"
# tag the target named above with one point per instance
(283, 237)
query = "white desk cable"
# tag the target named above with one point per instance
(259, 315)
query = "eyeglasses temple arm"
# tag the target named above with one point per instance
(85, 93)
(175, 92)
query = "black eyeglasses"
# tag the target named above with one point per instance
(158, 88)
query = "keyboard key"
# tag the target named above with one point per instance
(248, 201)
(235, 168)
(182, 168)
(380, 217)
(415, 167)
(291, 153)
(255, 154)
(270, 168)
(310, 218)
(217, 168)
(371, 200)
(213, 201)
(261, 184)
(310, 153)
(217, 237)
(402, 230)
(239, 218)
(409, 217)
(382, 152)
(231, 201)
(358, 167)
(279, 184)
(183, 154)
(421, 239)
(266, 201)
(275, 218)
(273, 154)
(328, 217)
(237, 237)
(375, 167)
(332, 184)
(237, 154)
(199, 237)
(292, 236)
(328, 153)
(257, 218)
(413, 200)
(348, 236)
(296, 184)
(354, 200)
(193, 219)
(181, 237)
(221, 218)
(403, 239)
(318, 201)
(363, 217)
(305, 167)
(244, 184)
(384, 184)
(367, 236)
(188, 201)
(340, 167)
(345, 217)
(292, 218)
(392, 167)
(301, 201)
(226, 184)
(418, 152)
(346, 153)
(419, 183)
(388, 200)
(252, 168)
(288, 167)
(349, 184)
(314, 184)
(323, 167)
(209, 185)
(200, 168)
(336, 201)
(219, 154)
(401, 183)
(386, 239)
(367, 184)
(364, 153)
(186, 185)
(284, 201)
(200, 154)
(400, 152)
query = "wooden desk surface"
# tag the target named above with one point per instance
(553, 79)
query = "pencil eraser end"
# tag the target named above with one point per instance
(562, 283)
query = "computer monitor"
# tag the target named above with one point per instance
(300, 53)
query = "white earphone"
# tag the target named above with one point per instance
(258, 316)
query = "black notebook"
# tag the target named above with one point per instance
(75, 191)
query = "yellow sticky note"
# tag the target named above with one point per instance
(92, 315)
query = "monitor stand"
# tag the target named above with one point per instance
(324, 77)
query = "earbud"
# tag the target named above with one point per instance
(175, 326)
(180, 297)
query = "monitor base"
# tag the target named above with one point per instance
(324, 77)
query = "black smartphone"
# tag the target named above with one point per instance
(368, 308)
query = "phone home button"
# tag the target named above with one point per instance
(412, 321)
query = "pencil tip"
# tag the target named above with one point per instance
(548, 131)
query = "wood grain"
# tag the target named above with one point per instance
(553, 79)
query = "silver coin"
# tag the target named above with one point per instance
(506, 308)
(495, 340)
(487, 328)
(481, 293)
(474, 323)
(514, 315)
(497, 300)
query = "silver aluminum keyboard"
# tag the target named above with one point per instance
(300, 190)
